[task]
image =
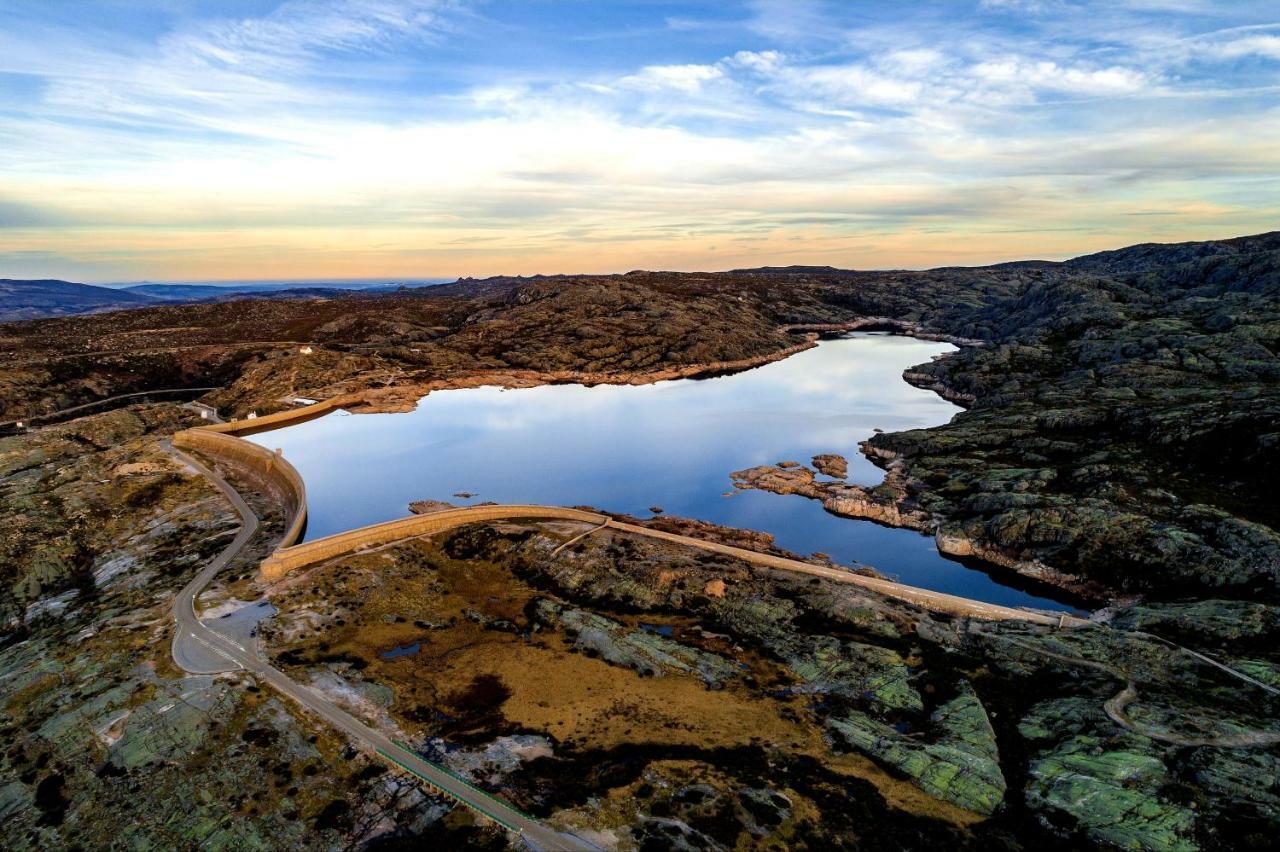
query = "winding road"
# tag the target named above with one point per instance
(197, 648)
(201, 648)
(1115, 706)
(57, 415)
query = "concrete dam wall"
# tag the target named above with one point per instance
(267, 422)
(271, 470)
(288, 559)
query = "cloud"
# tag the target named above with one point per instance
(1264, 46)
(1013, 74)
(366, 136)
(681, 78)
(921, 79)
(14, 214)
(792, 21)
(766, 62)
(297, 31)
(854, 85)
(211, 74)
(1024, 7)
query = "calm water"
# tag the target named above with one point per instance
(671, 444)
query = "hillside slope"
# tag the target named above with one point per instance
(21, 300)
(1120, 435)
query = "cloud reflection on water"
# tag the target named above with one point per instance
(626, 448)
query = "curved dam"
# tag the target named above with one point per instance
(269, 470)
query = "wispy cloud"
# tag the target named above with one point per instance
(370, 136)
(1263, 46)
(298, 31)
(788, 21)
(681, 78)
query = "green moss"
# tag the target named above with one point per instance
(961, 766)
(856, 670)
(1109, 785)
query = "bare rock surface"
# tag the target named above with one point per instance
(831, 464)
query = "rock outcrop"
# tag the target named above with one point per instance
(1111, 788)
(644, 651)
(831, 464)
(960, 765)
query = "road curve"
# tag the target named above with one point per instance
(191, 633)
(191, 648)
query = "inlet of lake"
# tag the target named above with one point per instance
(671, 444)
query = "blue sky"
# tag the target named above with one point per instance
(363, 138)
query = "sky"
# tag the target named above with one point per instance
(261, 139)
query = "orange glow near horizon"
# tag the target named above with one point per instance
(346, 255)
(377, 139)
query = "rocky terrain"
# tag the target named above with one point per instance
(655, 698)
(106, 743)
(1123, 429)
(90, 501)
(1119, 440)
(1120, 433)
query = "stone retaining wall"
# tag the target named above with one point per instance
(267, 422)
(287, 559)
(280, 477)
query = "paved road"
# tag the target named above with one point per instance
(154, 350)
(195, 644)
(54, 415)
(192, 649)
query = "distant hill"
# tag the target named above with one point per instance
(182, 292)
(789, 270)
(21, 300)
(194, 292)
(1149, 255)
(290, 293)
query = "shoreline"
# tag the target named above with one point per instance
(400, 398)
(857, 502)
(854, 502)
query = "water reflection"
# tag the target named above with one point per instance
(671, 444)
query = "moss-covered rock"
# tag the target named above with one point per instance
(856, 670)
(1107, 786)
(1207, 620)
(644, 651)
(960, 765)
(171, 724)
(14, 796)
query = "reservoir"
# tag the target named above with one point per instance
(671, 445)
